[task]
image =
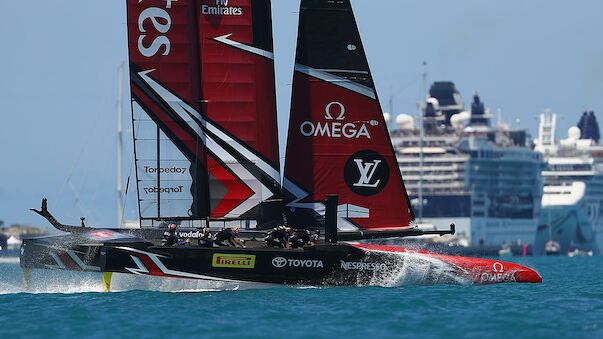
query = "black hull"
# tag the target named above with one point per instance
(326, 264)
(321, 265)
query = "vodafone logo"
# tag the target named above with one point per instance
(336, 125)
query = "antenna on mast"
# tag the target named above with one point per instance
(421, 138)
(120, 98)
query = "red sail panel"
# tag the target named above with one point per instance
(162, 38)
(338, 141)
(164, 71)
(237, 76)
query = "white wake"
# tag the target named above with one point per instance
(68, 282)
(410, 268)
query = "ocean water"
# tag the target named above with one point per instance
(568, 304)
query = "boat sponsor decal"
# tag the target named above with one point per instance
(220, 7)
(366, 173)
(161, 22)
(165, 170)
(233, 260)
(163, 190)
(336, 125)
(280, 262)
(362, 266)
(190, 234)
(498, 275)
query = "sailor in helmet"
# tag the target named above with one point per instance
(205, 240)
(278, 237)
(170, 237)
(230, 235)
(302, 238)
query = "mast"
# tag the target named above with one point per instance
(120, 98)
(421, 139)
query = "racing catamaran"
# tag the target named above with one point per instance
(206, 150)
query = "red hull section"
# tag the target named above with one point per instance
(474, 270)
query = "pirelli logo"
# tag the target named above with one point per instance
(233, 260)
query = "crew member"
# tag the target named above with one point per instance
(278, 237)
(301, 238)
(205, 240)
(230, 235)
(314, 238)
(170, 238)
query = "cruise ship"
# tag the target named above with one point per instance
(572, 203)
(460, 169)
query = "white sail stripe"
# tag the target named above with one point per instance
(225, 40)
(245, 152)
(227, 158)
(241, 173)
(342, 70)
(335, 80)
(81, 264)
(182, 108)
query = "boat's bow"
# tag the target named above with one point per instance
(471, 270)
(73, 251)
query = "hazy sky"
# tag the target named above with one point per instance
(59, 61)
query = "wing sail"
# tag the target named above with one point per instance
(338, 142)
(204, 111)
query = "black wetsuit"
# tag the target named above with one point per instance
(277, 237)
(300, 238)
(205, 240)
(170, 238)
(225, 235)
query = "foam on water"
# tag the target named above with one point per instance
(408, 268)
(54, 282)
(128, 282)
(68, 282)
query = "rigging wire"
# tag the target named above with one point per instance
(125, 198)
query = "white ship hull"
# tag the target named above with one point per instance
(571, 217)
